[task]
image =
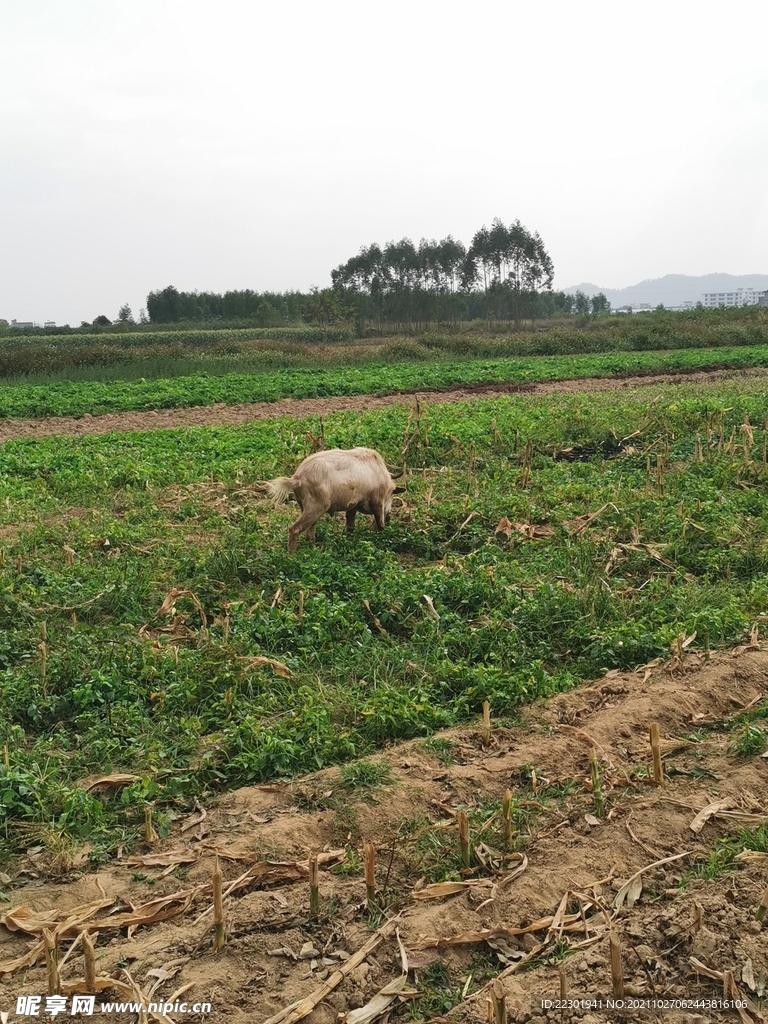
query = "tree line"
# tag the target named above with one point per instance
(504, 277)
(265, 309)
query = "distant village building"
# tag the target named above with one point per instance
(739, 297)
(23, 323)
(763, 300)
(637, 307)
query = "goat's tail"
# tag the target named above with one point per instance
(280, 489)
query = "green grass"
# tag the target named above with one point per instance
(751, 739)
(365, 774)
(438, 992)
(440, 748)
(124, 688)
(722, 859)
(68, 398)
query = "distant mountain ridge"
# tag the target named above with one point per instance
(673, 289)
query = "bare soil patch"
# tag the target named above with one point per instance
(276, 955)
(299, 408)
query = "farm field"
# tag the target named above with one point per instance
(158, 351)
(503, 917)
(153, 625)
(79, 398)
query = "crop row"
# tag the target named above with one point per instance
(527, 595)
(77, 398)
(191, 337)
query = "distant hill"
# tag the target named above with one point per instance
(673, 289)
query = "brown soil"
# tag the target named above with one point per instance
(232, 415)
(260, 970)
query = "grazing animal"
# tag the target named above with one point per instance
(337, 480)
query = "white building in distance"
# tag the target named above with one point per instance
(31, 323)
(739, 297)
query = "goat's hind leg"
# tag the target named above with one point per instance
(306, 521)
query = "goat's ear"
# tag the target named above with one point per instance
(399, 490)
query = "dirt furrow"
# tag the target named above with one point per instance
(299, 408)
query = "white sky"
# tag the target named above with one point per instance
(218, 144)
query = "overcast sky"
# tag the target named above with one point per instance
(217, 144)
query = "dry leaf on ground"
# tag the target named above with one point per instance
(707, 812)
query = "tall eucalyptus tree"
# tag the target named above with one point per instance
(408, 285)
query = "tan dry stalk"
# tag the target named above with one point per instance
(314, 889)
(6, 757)
(525, 472)
(219, 935)
(747, 439)
(617, 975)
(597, 790)
(506, 808)
(43, 651)
(89, 961)
(51, 961)
(369, 856)
(463, 823)
(43, 629)
(658, 770)
(728, 982)
(301, 605)
(499, 1003)
(660, 473)
(762, 908)
(563, 980)
(486, 724)
(698, 918)
(150, 836)
(19, 564)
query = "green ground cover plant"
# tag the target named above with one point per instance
(69, 398)
(152, 623)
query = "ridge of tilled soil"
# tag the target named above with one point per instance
(257, 973)
(233, 415)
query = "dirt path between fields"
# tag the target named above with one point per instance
(299, 408)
